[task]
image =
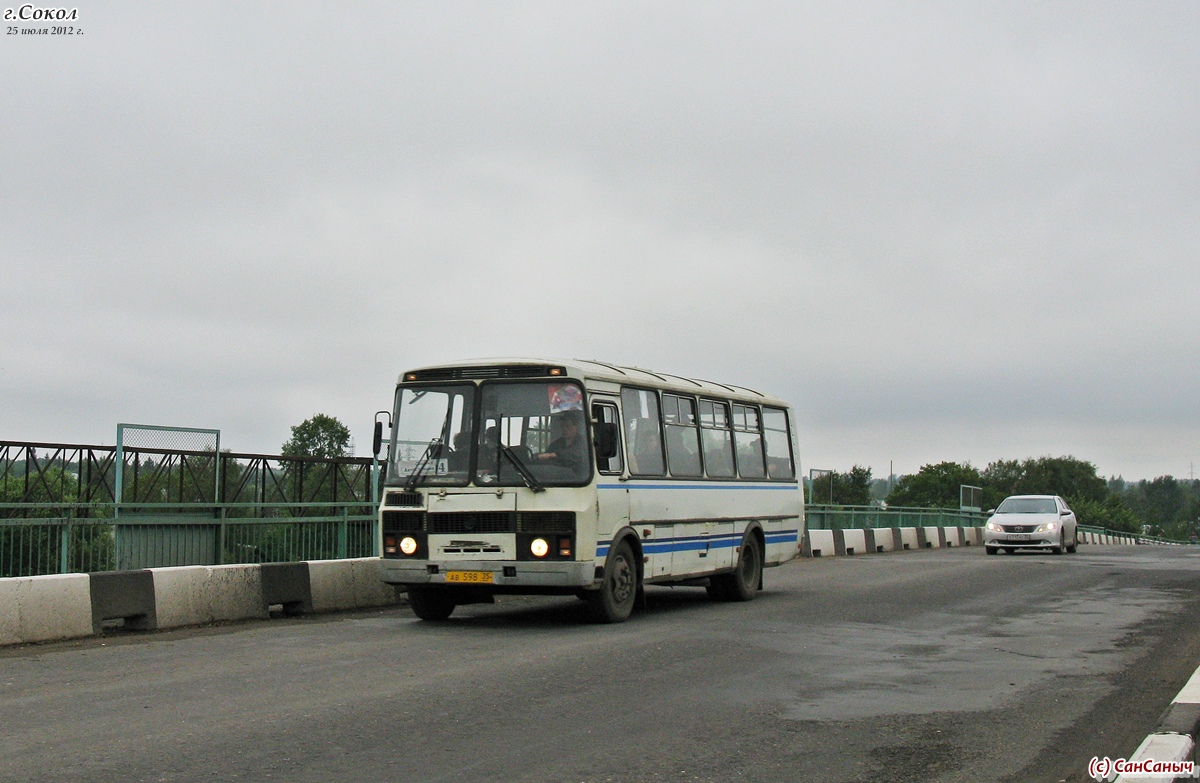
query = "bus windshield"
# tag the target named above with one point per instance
(433, 435)
(532, 433)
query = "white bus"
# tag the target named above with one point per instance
(532, 476)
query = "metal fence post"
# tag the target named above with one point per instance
(342, 533)
(219, 555)
(64, 545)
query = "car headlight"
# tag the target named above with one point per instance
(408, 545)
(995, 528)
(1049, 527)
(538, 547)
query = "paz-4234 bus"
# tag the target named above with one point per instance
(533, 476)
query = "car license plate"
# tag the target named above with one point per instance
(1018, 537)
(470, 577)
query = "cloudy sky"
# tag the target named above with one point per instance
(942, 231)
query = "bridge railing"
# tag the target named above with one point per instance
(56, 538)
(824, 517)
(1140, 538)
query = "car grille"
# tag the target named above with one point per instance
(1019, 528)
(481, 522)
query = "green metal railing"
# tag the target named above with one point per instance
(1138, 537)
(61, 512)
(43, 538)
(824, 517)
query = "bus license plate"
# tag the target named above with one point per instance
(1014, 537)
(470, 577)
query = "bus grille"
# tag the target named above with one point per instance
(402, 499)
(546, 521)
(403, 521)
(473, 522)
(474, 373)
(481, 522)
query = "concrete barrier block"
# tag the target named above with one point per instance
(849, 542)
(332, 585)
(123, 595)
(818, 543)
(881, 539)
(10, 615)
(288, 585)
(369, 589)
(195, 595)
(909, 539)
(952, 536)
(349, 584)
(44, 608)
(930, 537)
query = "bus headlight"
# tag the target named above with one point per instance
(408, 545)
(538, 547)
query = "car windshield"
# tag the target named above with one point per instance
(532, 434)
(433, 435)
(1027, 506)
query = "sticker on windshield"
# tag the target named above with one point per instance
(565, 397)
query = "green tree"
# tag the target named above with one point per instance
(1111, 513)
(1073, 479)
(319, 436)
(934, 486)
(853, 488)
(1065, 476)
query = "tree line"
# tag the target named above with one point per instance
(1164, 506)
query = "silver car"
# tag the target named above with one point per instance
(1031, 522)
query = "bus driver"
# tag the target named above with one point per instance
(568, 448)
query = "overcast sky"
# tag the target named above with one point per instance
(942, 231)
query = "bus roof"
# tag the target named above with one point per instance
(590, 369)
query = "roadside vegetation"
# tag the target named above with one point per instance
(1165, 506)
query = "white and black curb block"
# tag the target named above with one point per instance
(1175, 737)
(69, 606)
(855, 541)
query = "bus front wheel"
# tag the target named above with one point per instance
(613, 602)
(430, 604)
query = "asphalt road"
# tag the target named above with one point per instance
(920, 666)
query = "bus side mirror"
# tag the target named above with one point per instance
(377, 441)
(606, 440)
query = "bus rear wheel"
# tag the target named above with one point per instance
(613, 602)
(742, 584)
(430, 604)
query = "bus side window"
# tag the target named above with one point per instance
(747, 440)
(643, 432)
(606, 416)
(718, 443)
(779, 444)
(683, 438)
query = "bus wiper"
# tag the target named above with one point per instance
(422, 464)
(529, 479)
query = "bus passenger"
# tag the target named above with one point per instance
(646, 456)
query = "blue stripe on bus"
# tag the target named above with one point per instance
(695, 543)
(688, 485)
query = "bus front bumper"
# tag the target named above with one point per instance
(516, 575)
